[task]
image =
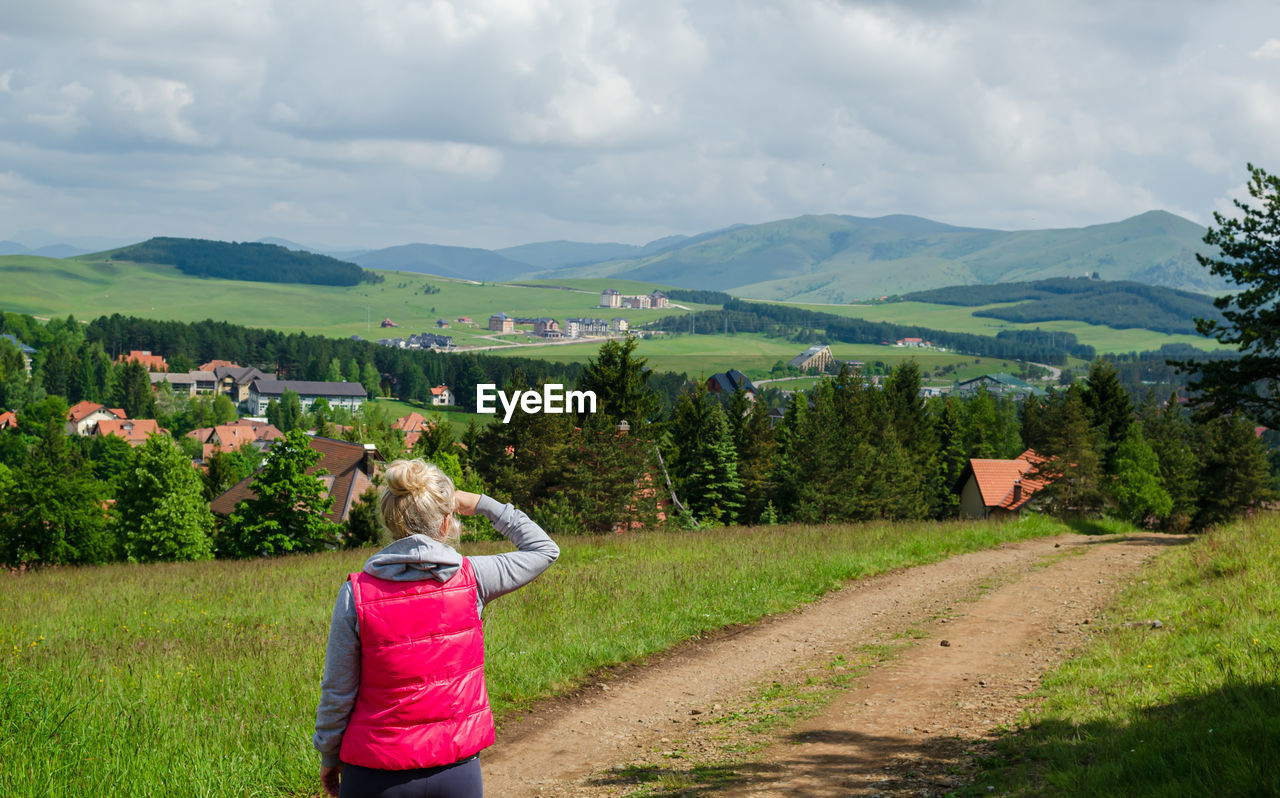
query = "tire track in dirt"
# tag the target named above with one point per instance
(906, 715)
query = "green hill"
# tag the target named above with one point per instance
(833, 258)
(254, 262)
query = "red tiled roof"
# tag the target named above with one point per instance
(345, 481)
(135, 431)
(998, 478)
(144, 356)
(414, 422)
(213, 364)
(439, 389)
(82, 410)
(8, 420)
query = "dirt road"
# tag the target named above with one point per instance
(1006, 615)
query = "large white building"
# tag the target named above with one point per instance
(350, 395)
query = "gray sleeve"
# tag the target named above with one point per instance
(500, 574)
(341, 678)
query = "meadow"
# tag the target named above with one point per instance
(201, 679)
(458, 419)
(755, 354)
(50, 287)
(1189, 708)
(956, 318)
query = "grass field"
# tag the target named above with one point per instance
(957, 318)
(201, 679)
(1188, 709)
(52, 287)
(459, 419)
(755, 354)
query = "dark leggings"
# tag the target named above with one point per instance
(459, 780)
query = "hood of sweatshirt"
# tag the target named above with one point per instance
(415, 557)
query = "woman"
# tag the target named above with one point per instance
(403, 706)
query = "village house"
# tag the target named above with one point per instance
(387, 322)
(133, 430)
(502, 323)
(149, 361)
(350, 468)
(442, 324)
(348, 395)
(22, 348)
(420, 341)
(609, 298)
(213, 365)
(8, 420)
(230, 437)
(83, 417)
(546, 328)
(441, 396)
(817, 357)
(192, 383)
(619, 325)
(659, 300)
(913, 342)
(234, 381)
(642, 302)
(465, 320)
(413, 426)
(1000, 488)
(729, 382)
(997, 385)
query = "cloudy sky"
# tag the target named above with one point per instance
(362, 123)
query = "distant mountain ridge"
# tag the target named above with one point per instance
(834, 258)
(840, 259)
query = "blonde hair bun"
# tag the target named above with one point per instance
(418, 500)
(407, 477)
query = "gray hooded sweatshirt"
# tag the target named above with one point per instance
(409, 559)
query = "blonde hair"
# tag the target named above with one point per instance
(416, 500)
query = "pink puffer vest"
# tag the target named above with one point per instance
(422, 700)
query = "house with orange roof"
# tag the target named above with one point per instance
(230, 437)
(350, 468)
(442, 396)
(1001, 488)
(134, 430)
(412, 425)
(144, 356)
(8, 420)
(84, 417)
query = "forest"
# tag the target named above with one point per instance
(1117, 304)
(263, 263)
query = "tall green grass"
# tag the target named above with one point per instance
(1188, 709)
(202, 679)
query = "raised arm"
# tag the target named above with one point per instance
(500, 574)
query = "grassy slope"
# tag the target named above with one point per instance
(961, 319)
(49, 287)
(754, 354)
(201, 679)
(1190, 709)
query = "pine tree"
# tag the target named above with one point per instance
(1137, 487)
(704, 464)
(1169, 432)
(620, 381)
(755, 445)
(133, 391)
(52, 514)
(160, 505)
(951, 458)
(287, 511)
(1110, 409)
(1074, 465)
(1234, 476)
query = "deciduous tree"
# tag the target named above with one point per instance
(160, 505)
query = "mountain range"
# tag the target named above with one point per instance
(834, 258)
(831, 258)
